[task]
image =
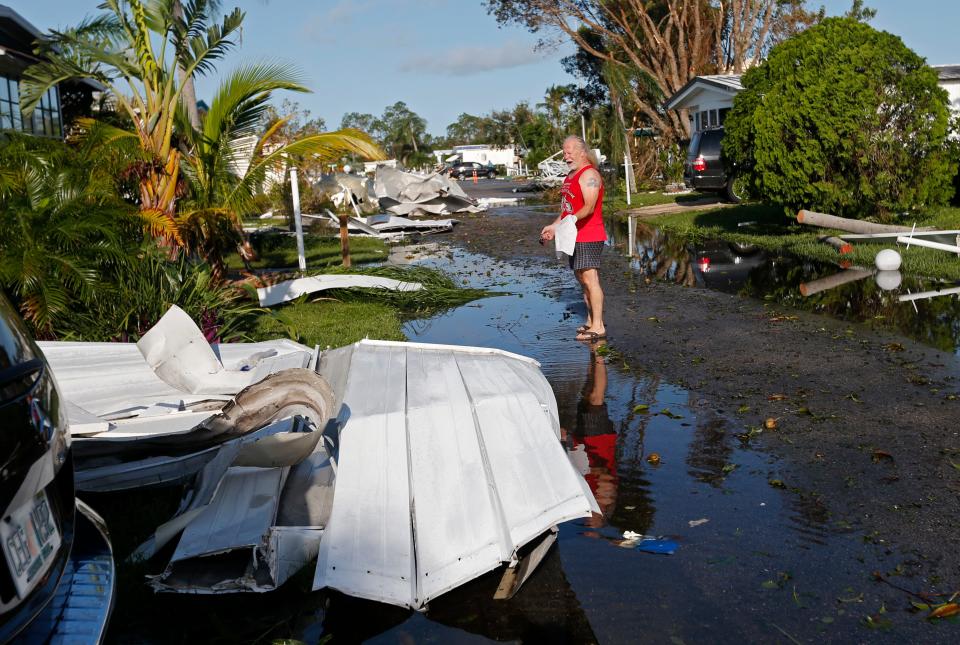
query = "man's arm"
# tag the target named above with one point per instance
(590, 183)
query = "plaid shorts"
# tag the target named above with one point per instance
(586, 255)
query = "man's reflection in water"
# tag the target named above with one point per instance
(592, 447)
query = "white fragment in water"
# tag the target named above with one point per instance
(694, 523)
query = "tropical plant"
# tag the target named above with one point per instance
(62, 228)
(401, 131)
(845, 119)
(227, 163)
(140, 292)
(134, 49)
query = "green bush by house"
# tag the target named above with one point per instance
(845, 119)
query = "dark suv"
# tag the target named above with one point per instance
(465, 170)
(705, 169)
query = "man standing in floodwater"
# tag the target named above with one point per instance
(583, 199)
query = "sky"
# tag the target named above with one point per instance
(442, 57)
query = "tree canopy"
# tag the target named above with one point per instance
(663, 43)
(845, 119)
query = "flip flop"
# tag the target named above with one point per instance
(590, 336)
(582, 328)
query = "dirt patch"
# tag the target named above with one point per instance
(866, 421)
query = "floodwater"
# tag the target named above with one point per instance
(754, 562)
(925, 310)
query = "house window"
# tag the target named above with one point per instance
(9, 104)
(713, 119)
(723, 115)
(704, 120)
(45, 120)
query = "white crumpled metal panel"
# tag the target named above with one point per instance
(448, 461)
(367, 546)
(111, 380)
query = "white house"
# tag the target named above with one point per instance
(950, 81)
(707, 99)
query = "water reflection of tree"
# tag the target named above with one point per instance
(635, 506)
(662, 256)
(710, 450)
(936, 321)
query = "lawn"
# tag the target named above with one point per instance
(342, 316)
(770, 228)
(614, 203)
(278, 251)
(330, 323)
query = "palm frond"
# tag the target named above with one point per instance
(241, 100)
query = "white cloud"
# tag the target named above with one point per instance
(474, 59)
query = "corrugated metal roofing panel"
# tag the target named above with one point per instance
(109, 378)
(241, 513)
(448, 461)
(367, 546)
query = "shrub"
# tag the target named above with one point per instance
(844, 119)
(143, 289)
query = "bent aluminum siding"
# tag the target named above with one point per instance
(448, 461)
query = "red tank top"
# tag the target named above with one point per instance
(589, 228)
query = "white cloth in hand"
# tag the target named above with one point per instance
(565, 236)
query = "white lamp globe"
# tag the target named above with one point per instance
(887, 260)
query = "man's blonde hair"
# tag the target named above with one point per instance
(592, 158)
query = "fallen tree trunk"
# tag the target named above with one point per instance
(832, 281)
(838, 244)
(825, 220)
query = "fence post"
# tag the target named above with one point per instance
(295, 193)
(626, 175)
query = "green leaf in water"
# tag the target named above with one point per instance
(643, 408)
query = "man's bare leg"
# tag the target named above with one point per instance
(593, 296)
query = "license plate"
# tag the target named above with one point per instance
(30, 541)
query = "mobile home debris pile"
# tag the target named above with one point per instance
(403, 469)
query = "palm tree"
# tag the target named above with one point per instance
(134, 49)
(61, 227)
(220, 190)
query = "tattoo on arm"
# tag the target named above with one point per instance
(593, 182)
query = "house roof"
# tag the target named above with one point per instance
(947, 72)
(729, 83)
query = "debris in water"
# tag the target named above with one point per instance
(694, 523)
(648, 543)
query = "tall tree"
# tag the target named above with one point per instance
(667, 41)
(401, 130)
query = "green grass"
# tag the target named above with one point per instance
(330, 323)
(768, 227)
(280, 251)
(615, 203)
(341, 316)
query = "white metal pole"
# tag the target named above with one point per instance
(583, 127)
(626, 176)
(295, 190)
